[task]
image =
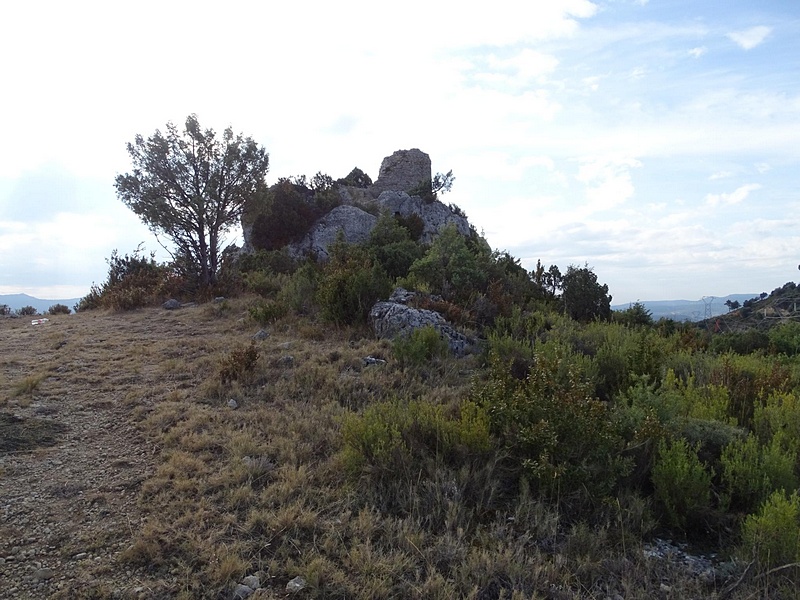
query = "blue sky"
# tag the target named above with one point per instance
(659, 142)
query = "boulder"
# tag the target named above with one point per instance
(352, 222)
(435, 215)
(395, 318)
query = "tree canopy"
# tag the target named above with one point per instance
(584, 298)
(191, 186)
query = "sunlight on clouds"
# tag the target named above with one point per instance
(608, 181)
(735, 197)
(750, 38)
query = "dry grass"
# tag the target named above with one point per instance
(262, 488)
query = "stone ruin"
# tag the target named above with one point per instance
(402, 173)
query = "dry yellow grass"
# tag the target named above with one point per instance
(194, 495)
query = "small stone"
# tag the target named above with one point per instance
(233, 404)
(371, 360)
(241, 592)
(252, 581)
(43, 574)
(261, 335)
(286, 361)
(171, 304)
(296, 584)
(219, 299)
(80, 556)
(665, 588)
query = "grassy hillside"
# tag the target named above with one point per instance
(540, 467)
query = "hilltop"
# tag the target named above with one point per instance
(17, 301)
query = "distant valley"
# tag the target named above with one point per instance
(688, 310)
(17, 301)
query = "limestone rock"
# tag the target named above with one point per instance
(435, 215)
(354, 223)
(171, 304)
(394, 318)
(296, 584)
(403, 171)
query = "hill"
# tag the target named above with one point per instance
(688, 310)
(17, 301)
(178, 454)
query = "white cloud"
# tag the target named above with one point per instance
(608, 181)
(720, 175)
(748, 39)
(735, 197)
(763, 167)
(698, 51)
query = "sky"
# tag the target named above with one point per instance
(656, 141)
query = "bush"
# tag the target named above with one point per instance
(239, 363)
(268, 311)
(774, 533)
(396, 438)
(785, 338)
(555, 433)
(351, 283)
(422, 346)
(27, 311)
(133, 281)
(58, 309)
(682, 484)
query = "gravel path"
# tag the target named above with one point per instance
(69, 509)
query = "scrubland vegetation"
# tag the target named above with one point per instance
(538, 467)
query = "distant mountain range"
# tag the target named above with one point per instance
(17, 301)
(688, 310)
(679, 310)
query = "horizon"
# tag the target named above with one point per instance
(655, 141)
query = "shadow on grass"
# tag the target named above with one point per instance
(20, 434)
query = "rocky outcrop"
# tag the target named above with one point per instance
(403, 171)
(435, 215)
(353, 223)
(395, 318)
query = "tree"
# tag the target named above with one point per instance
(191, 187)
(583, 297)
(732, 304)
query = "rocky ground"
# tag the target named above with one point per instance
(71, 463)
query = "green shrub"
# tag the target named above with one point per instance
(422, 346)
(682, 484)
(774, 532)
(58, 309)
(133, 281)
(299, 291)
(785, 338)
(778, 419)
(743, 482)
(555, 433)
(27, 311)
(397, 438)
(268, 311)
(351, 283)
(745, 342)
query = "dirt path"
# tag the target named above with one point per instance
(72, 462)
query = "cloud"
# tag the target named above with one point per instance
(720, 175)
(608, 181)
(748, 39)
(735, 197)
(698, 52)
